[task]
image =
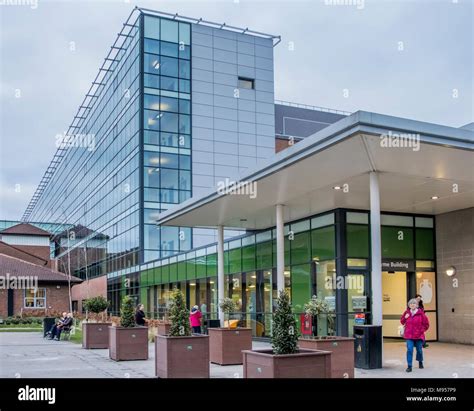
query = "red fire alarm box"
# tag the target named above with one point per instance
(306, 324)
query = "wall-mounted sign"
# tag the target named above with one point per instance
(359, 302)
(359, 319)
(398, 265)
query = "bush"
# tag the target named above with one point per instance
(15, 320)
(179, 316)
(227, 305)
(96, 304)
(127, 314)
(285, 332)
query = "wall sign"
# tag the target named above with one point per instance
(398, 265)
(359, 302)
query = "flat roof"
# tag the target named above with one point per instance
(303, 176)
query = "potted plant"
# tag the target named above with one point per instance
(128, 341)
(226, 344)
(95, 334)
(342, 348)
(286, 359)
(180, 354)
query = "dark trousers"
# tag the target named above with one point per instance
(197, 329)
(56, 331)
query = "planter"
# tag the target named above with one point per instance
(128, 343)
(163, 329)
(226, 345)
(303, 364)
(342, 348)
(182, 357)
(95, 335)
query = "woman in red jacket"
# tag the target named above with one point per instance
(416, 323)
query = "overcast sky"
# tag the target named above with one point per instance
(405, 58)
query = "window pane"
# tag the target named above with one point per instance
(184, 86)
(152, 64)
(152, 27)
(169, 83)
(152, 46)
(185, 33)
(152, 236)
(323, 243)
(169, 178)
(152, 81)
(152, 102)
(169, 196)
(185, 162)
(184, 106)
(397, 242)
(169, 49)
(169, 122)
(169, 238)
(245, 83)
(169, 30)
(169, 67)
(169, 160)
(425, 243)
(184, 69)
(300, 286)
(151, 120)
(184, 124)
(184, 52)
(169, 104)
(357, 240)
(185, 180)
(152, 177)
(151, 158)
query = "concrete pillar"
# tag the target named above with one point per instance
(376, 260)
(220, 270)
(280, 248)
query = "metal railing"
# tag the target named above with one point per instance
(310, 107)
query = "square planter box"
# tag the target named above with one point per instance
(95, 335)
(182, 357)
(303, 364)
(342, 348)
(226, 345)
(163, 329)
(128, 343)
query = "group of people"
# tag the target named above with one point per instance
(415, 324)
(64, 323)
(195, 317)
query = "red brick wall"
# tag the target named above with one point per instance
(87, 289)
(57, 300)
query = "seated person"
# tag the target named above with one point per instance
(64, 324)
(52, 332)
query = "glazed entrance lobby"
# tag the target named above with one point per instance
(341, 216)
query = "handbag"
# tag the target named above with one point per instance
(401, 330)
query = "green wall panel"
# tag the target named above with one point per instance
(425, 244)
(397, 242)
(357, 240)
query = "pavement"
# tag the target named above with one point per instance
(28, 355)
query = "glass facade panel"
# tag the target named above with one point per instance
(323, 243)
(357, 240)
(397, 242)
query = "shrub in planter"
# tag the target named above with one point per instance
(128, 341)
(285, 359)
(342, 348)
(226, 344)
(95, 334)
(181, 354)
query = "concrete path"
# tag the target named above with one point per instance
(28, 355)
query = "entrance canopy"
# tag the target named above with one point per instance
(423, 168)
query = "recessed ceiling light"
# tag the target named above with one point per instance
(434, 197)
(337, 187)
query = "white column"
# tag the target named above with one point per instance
(376, 275)
(220, 270)
(280, 248)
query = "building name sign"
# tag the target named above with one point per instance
(398, 265)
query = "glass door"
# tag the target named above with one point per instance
(394, 300)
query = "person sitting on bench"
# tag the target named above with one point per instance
(63, 324)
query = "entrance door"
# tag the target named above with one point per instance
(394, 300)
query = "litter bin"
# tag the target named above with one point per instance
(48, 322)
(368, 346)
(211, 324)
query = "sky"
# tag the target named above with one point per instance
(407, 58)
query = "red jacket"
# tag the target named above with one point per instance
(195, 318)
(415, 325)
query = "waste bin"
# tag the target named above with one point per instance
(368, 346)
(211, 324)
(48, 322)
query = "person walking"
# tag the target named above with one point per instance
(140, 315)
(419, 298)
(195, 319)
(416, 323)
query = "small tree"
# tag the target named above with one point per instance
(127, 314)
(179, 316)
(285, 332)
(227, 305)
(315, 307)
(96, 305)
